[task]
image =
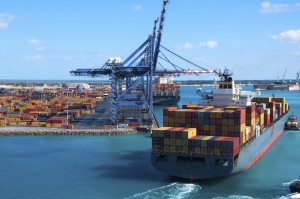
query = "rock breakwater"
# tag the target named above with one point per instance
(32, 131)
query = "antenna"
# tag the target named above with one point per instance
(284, 74)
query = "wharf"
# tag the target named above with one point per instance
(102, 116)
(96, 120)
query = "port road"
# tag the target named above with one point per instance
(97, 120)
(102, 115)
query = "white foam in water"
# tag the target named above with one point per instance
(174, 190)
(286, 184)
(235, 197)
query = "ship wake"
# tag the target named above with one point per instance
(174, 190)
(235, 197)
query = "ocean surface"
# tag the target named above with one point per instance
(119, 166)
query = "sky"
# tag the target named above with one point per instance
(45, 40)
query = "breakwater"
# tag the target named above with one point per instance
(33, 131)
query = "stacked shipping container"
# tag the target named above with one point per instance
(219, 130)
(166, 90)
(21, 112)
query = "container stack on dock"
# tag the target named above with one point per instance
(209, 130)
(43, 113)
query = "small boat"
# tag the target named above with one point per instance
(292, 123)
(295, 186)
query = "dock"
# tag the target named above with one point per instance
(133, 115)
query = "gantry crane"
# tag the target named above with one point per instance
(138, 70)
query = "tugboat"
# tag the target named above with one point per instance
(292, 123)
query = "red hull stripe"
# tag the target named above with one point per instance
(263, 151)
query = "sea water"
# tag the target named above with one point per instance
(120, 167)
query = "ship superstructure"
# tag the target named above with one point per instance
(226, 93)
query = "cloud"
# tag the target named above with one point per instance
(35, 58)
(5, 19)
(101, 55)
(288, 36)
(137, 7)
(34, 42)
(209, 44)
(267, 7)
(187, 46)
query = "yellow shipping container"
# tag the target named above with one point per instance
(247, 134)
(3, 120)
(231, 108)
(35, 124)
(262, 99)
(13, 123)
(57, 125)
(159, 132)
(15, 119)
(13, 115)
(22, 123)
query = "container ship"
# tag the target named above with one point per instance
(228, 132)
(165, 93)
(279, 85)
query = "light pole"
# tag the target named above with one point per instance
(67, 106)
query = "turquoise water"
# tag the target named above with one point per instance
(119, 167)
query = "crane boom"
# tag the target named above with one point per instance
(284, 74)
(161, 25)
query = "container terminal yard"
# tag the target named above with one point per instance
(71, 107)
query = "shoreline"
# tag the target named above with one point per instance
(43, 131)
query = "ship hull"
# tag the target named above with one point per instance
(209, 166)
(165, 100)
(290, 87)
(260, 86)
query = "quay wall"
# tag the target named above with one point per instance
(34, 131)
